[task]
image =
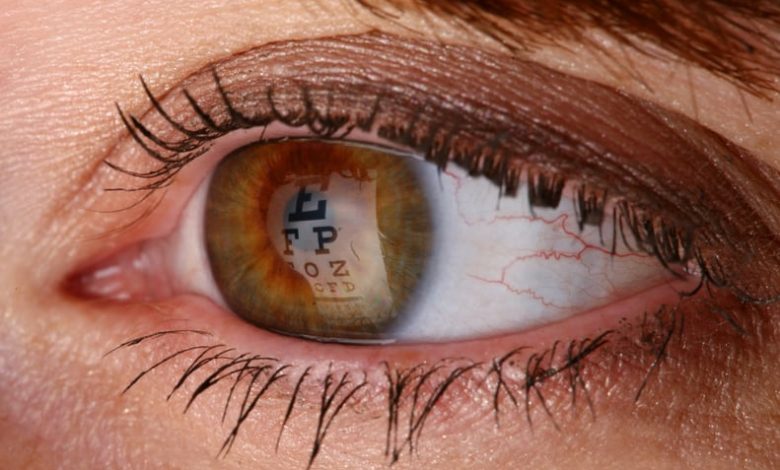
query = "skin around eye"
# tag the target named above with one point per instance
(584, 337)
(709, 398)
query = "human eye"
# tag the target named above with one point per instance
(355, 250)
(343, 243)
(237, 240)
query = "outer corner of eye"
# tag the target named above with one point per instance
(347, 243)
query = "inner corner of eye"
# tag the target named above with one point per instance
(351, 244)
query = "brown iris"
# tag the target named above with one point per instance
(317, 239)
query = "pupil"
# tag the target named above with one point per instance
(318, 240)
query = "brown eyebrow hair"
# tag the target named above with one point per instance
(738, 40)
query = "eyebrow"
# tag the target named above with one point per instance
(737, 40)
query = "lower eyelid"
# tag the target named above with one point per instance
(198, 312)
(616, 368)
(624, 366)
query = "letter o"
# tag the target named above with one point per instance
(311, 269)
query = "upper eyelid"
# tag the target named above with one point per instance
(422, 79)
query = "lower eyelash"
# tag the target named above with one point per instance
(412, 394)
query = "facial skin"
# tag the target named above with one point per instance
(62, 68)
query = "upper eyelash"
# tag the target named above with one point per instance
(674, 245)
(671, 245)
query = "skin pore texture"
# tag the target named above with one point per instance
(713, 404)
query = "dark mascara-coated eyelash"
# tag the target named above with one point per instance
(413, 391)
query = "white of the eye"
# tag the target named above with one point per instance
(187, 250)
(498, 267)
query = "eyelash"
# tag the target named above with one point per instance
(412, 393)
(420, 387)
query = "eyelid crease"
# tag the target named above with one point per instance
(493, 115)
